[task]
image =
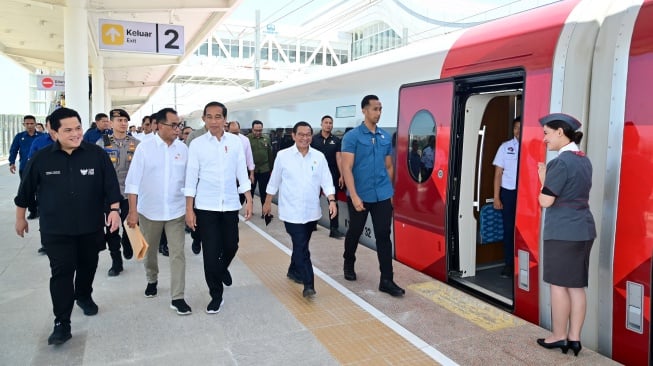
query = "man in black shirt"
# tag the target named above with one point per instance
(68, 175)
(329, 145)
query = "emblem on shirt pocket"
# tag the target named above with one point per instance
(87, 171)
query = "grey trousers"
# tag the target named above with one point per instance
(175, 233)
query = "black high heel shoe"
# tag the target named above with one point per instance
(562, 344)
(575, 346)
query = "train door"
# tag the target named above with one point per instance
(422, 166)
(488, 107)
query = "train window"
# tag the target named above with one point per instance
(421, 146)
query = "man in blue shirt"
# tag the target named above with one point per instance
(22, 143)
(103, 127)
(368, 172)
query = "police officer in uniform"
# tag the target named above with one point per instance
(505, 193)
(120, 147)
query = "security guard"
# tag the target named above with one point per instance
(120, 147)
(262, 152)
(75, 180)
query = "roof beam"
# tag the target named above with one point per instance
(48, 56)
(129, 63)
(131, 84)
(131, 6)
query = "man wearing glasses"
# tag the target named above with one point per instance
(154, 187)
(299, 173)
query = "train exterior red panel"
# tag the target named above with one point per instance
(633, 238)
(420, 214)
(530, 44)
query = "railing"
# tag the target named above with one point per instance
(10, 125)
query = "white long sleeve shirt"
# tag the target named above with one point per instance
(298, 180)
(247, 147)
(213, 168)
(156, 175)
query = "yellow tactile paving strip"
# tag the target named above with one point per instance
(476, 311)
(352, 335)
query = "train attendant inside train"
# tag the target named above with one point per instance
(569, 229)
(505, 193)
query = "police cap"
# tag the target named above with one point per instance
(118, 113)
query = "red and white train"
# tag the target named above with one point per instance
(592, 59)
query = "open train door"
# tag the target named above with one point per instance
(422, 166)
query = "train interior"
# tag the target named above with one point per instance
(486, 122)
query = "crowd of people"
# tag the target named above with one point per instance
(168, 179)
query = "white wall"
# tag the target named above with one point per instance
(14, 93)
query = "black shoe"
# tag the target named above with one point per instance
(181, 307)
(88, 306)
(226, 278)
(574, 346)
(163, 249)
(334, 233)
(127, 250)
(389, 287)
(114, 271)
(214, 306)
(350, 275)
(42, 251)
(32, 216)
(60, 334)
(562, 344)
(196, 246)
(507, 272)
(150, 290)
(309, 291)
(295, 277)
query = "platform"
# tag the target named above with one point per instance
(264, 320)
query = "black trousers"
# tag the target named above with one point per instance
(219, 233)
(300, 260)
(262, 180)
(381, 219)
(73, 261)
(113, 239)
(509, 200)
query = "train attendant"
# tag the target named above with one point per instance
(368, 172)
(299, 173)
(505, 193)
(75, 180)
(568, 231)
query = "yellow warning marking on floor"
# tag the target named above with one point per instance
(476, 311)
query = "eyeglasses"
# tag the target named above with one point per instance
(173, 125)
(303, 135)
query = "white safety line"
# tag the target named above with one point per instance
(403, 332)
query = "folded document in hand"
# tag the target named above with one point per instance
(139, 245)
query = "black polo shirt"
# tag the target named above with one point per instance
(329, 147)
(72, 188)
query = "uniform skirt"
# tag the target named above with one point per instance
(566, 263)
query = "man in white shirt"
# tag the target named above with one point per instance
(234, 128)
(505, 193)
(215, 163)
(154, 186)
(299, 173)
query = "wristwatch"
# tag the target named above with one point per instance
(115, 209)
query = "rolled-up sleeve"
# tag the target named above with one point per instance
(192, 171)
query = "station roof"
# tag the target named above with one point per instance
(32, 34)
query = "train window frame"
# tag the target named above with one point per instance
(422, 131)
